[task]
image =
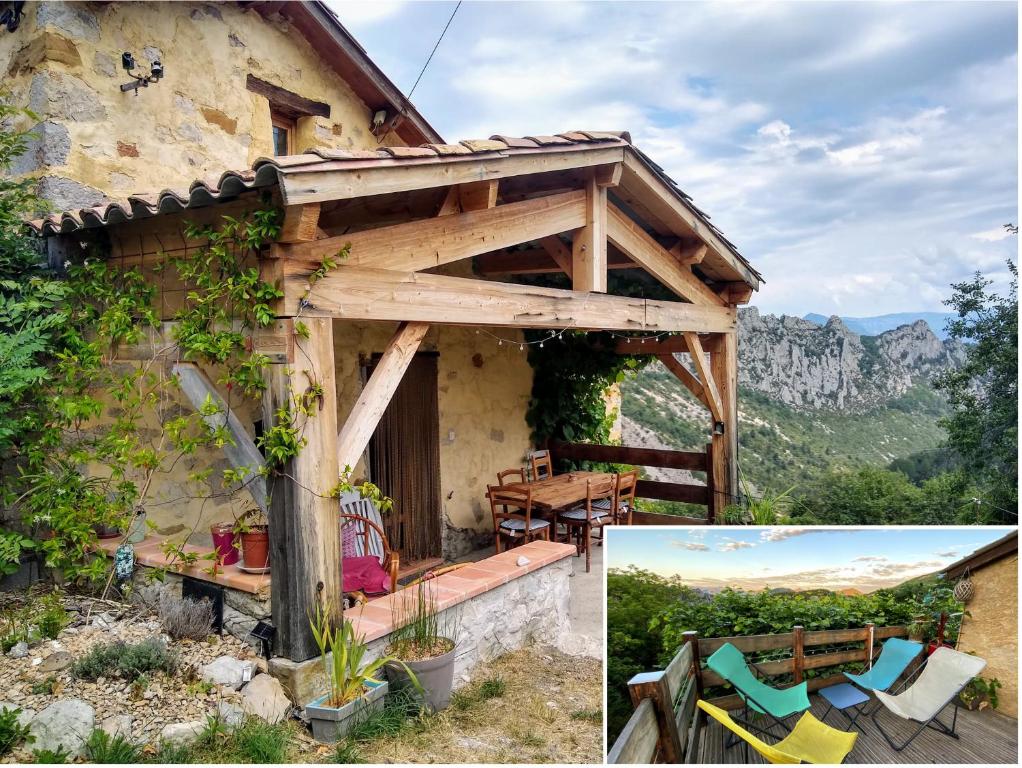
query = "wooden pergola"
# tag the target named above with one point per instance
(577, 204)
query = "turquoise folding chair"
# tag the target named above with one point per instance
(776, 703)
(894, 659)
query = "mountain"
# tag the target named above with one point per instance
(873, 326)
(805, 365)
(810, 398)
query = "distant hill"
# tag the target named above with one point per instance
(874, 326)
(850, 592)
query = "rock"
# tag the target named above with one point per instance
(182, 734)
(65, 724)
(49, 146)
(24, 716)
(104, 620)
(74, 18)
(265, 698)
(227, 670)
(231, 715)
(56, 662)
(117, 725)
(522, 561)
(18, 650)
(476, 745)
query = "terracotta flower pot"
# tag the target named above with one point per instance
(223, 541)
(255, 547)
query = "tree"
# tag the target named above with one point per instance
(983, 394)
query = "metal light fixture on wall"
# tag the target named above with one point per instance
(140, 80)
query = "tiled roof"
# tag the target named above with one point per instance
(266, 171)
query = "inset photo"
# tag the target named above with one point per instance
(818, 645)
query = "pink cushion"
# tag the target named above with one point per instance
(364, 574)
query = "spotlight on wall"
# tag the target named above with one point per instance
(140, 80)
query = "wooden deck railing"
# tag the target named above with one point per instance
(666, 724)
(689, 493)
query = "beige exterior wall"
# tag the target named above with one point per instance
(64, 62)
(484, 390)
(991, 629)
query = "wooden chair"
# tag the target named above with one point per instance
(542, 465)
(623, 502)
(512, 516)
(517, 473)
(581, 522)
(362, 527)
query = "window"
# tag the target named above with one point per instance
(283, 134)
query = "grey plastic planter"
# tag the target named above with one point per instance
(331, 724)
(436, 676)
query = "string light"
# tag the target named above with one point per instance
(554, 335)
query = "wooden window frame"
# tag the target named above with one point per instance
(289, 124)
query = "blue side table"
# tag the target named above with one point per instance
(842, 697)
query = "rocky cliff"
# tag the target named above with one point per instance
(805, 365)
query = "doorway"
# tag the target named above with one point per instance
(404, 461)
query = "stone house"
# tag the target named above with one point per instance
(276, 99)
(990, 630)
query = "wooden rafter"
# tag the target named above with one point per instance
(197, 387)
(372, 402)
(536, 261)
(358, 293)
(441, 240)
(375, 178)
(301, 223)
(478, 195)
(702, 366)
(663, 265)
(589, 244)
(558, 251)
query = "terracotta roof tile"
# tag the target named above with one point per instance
(410, 151)
(515, 143)
(449, 149)
(546, 141)
(484, 145)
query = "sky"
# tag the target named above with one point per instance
(863, 156)
(790, 557)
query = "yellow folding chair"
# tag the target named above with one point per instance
(810, 741)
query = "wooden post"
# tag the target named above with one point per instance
(798, 653)
(589, 244)
(305, 541)
(870, 634)
(711, 488)
(693, 639)
(654, 686)
(724, 369)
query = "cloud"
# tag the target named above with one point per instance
(992, 235)
(693, 546)
(785, 532)
(948, 553)
(870, 559)
(731, 545)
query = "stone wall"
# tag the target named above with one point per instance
(991, 629)
(532, 609)
(64, 61)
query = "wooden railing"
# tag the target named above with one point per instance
(689, 493)
(665, 726)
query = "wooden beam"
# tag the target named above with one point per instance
(371, 404)
(693, 255)
(197, 387)
(672, 345)
(276, 341)
(478, 195)
(736, 293)
(724, 373)
(377, 294)
(283, 100)
(451, 203)
(633, 241)
(432, 242)
(301, 223)
(608, 175)
(536, 261)
(702, 366)
(305, 541)
(685, 377)
(559, 252)
(589, 244)
(352, 178)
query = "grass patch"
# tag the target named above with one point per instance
(252, 742)
(101, 747)
(125, 660)
(473, 695)
(588, 715)
(396, 717)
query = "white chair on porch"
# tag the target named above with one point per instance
(363, 535)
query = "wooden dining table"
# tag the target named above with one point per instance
(559, 492)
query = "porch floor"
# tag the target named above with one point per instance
(985, 737)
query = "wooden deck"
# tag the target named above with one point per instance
(985, 737)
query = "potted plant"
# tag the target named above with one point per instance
(225, 542)
(425, 646)
(919, 629)
(980, 693)
(253, 529)
(355, 689)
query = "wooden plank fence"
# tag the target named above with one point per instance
(665, 726)
(690, 493)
